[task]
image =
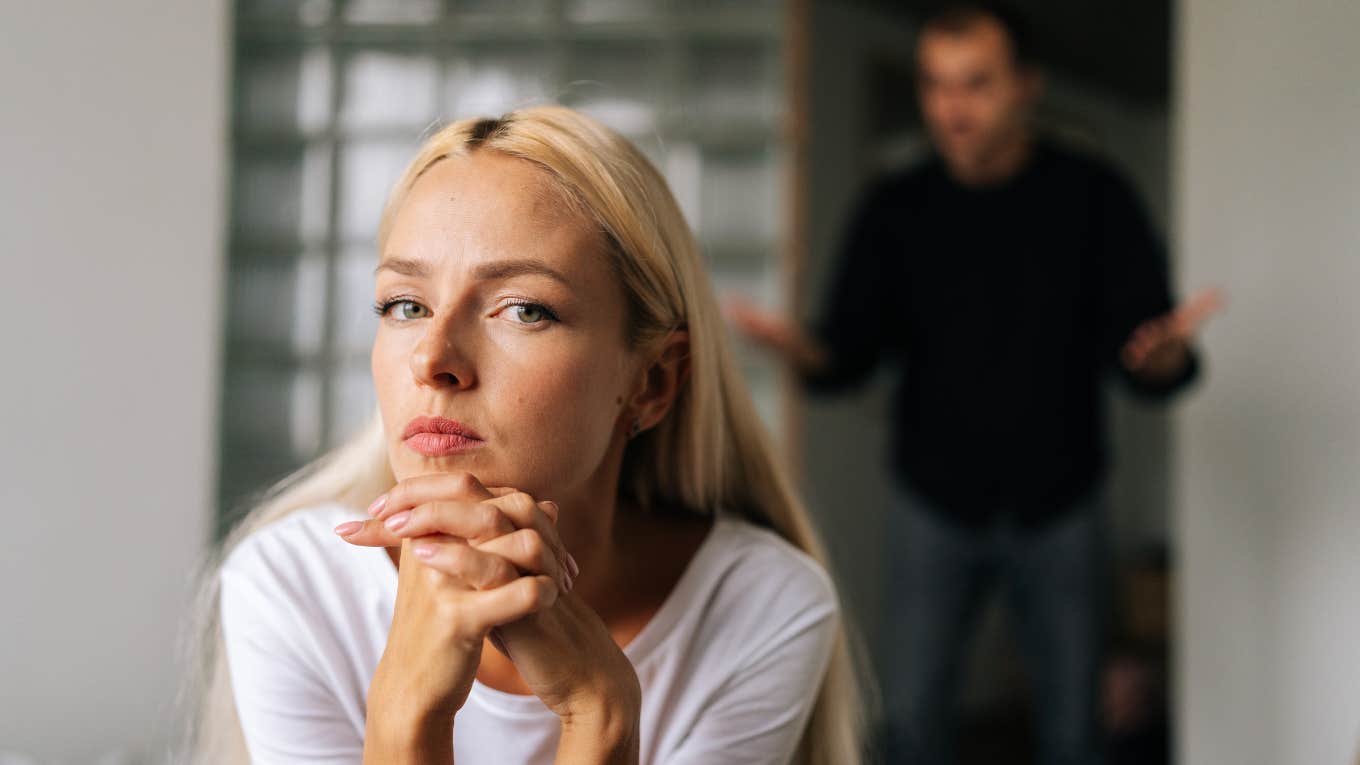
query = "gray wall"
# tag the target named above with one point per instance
(110, 210)
(844, 473)
(1267, 193)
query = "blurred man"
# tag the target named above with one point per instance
(1007, 275)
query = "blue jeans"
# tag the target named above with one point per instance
(1052, 580)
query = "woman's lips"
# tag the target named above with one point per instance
(438, 436)
(441, 444)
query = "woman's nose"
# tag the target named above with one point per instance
(441, 359)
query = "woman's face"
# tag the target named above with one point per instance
(500, 313)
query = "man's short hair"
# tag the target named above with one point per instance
(955, 16)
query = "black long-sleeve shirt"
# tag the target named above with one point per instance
(1006, 307)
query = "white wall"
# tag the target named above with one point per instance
(1268, 204)
(111, 202)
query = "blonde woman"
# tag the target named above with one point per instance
(578, 546)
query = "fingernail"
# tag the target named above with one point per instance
(567, 581)
(398, 520)
(571, 566)
(348, 527)
(423, 551)
(555, 508)
(377, 505)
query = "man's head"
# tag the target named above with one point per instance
(977, 83)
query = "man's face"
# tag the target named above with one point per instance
(974, 97)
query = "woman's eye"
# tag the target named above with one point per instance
(530, 313)
(409, 310)
(406, 310)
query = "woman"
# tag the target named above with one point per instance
(578, 544)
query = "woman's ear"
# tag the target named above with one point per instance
(662, 381)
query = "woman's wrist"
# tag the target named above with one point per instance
(608, 731)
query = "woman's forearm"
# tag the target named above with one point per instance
(421, 739)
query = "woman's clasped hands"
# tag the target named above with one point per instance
(483, 563)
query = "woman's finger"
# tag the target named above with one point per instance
(469, 520)
(473, 521)
(530, 554)
(369, 533)
(417, 490)
(525, 596)
(527, 513)
(475, 568)
(486, 521)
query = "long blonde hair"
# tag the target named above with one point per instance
(710, 451)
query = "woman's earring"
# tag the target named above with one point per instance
(637, 428)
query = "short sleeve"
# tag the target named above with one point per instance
(759, 713)
(287, 712)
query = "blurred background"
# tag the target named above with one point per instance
(190, 198)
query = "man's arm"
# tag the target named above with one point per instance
(800, 350)
(1144, 334)
(843, 346)
(1159, 352)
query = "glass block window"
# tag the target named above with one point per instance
(331, 99)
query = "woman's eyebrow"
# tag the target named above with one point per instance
(496, 269)
(403, 266)
(504, 269)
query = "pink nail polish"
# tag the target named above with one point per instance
(377, 505)
(424, 552)
(348, 527)
(571, 566)
(397, 521)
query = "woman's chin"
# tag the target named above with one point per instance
(409, 464)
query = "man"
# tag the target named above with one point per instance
(1007, 275)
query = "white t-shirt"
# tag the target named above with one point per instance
(730, 664)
